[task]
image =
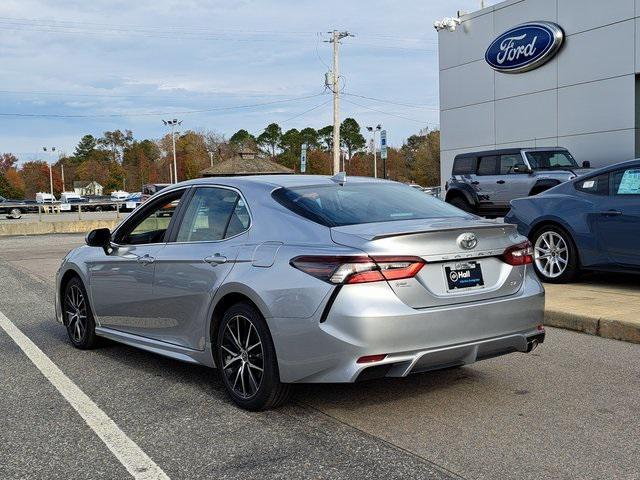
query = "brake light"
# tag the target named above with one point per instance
(350, 270)
(520, 254)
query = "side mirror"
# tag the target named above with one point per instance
(521, 169)
(586, 164)
(100, 237)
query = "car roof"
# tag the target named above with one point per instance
(509, 151)
(287, 181)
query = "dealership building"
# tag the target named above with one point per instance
(567, 77)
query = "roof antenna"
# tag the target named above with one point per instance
(340, 177)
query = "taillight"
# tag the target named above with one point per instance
(520, 254)
(349, 270)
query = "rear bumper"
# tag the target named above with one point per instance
(369, 319)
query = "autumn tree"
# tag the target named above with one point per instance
(116, 142)
(7, 161)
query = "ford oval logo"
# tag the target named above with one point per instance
(525, 47)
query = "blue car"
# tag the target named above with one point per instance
(589, 223)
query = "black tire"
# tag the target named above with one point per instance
(461, 203)
(569, 261)
(78, 318)
(247, 386)
(15, 213)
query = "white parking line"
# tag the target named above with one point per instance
(137, 463)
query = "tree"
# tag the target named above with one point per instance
(270, 138)
(350, 136)
(422, 158)
(325, 137)
(290, 144)
(140, 164)
(85, 147)
(309, 136)
(35, 175)
(7, 161)
(116, 141)
(242, 139)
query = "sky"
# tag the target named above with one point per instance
(71, 68)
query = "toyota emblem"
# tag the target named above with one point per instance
(468, 241)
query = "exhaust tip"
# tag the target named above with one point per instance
(532, 345)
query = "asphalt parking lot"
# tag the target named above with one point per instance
(568, 410)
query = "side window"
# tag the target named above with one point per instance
(509, 162)
(626, 182)
(598, 185)
(464, 166)
(150, 226)
(488, 165)
(213, 214)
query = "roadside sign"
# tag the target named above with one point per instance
(303, 158)
(383, 144)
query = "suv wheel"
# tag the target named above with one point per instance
(555, 255)
(461, 203)
(246, 360)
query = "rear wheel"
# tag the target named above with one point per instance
(555, 255)
(461, 203)
(77, 315)
(246, 360)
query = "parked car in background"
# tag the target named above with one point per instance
(293, 279)
(118, 195)
(14, 209)
(485, 182)
(150, 189)
(131, 202)
(42, 197)
(592, 222)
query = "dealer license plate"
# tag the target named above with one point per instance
(463, 275)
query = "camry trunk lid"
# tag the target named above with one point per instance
(463, 257)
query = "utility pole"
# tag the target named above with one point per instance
(172, 124)
(211, 157)
(336, 36)
(62, 169)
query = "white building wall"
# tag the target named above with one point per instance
(583, 99)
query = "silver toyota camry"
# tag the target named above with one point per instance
(288, 279)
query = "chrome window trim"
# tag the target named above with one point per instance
(224, 187)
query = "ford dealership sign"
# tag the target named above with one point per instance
(525, 47)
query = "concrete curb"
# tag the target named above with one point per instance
(43, 228)
(601, 327)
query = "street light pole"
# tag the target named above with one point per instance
(375, 153)
(49, 151)
(211, 157)
(173, 124)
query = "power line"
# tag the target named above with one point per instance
(392, 102)
(423, 122)
(306, 111)
(146, 114)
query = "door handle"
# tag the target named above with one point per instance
(611, 213)
(216, 259)
(146, 259)
(475, 183)
(500, 182)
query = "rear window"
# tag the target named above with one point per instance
(598, 185)
(488, 165)
(464, 166)
(338, 205)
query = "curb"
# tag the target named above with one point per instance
(601, 327)
(43, 228)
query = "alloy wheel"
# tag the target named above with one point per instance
(551, 254)
(76, 312)
(243, 356)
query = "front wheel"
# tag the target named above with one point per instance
(77, 315)
(15, 213)
(555, 255)
(246, 360)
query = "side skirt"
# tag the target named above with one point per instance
(199, 357)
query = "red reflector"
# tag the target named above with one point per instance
(372, 358)
(541, 328)
(520, 254)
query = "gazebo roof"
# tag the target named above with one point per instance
(246, 163)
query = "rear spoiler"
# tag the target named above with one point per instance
(416, 232)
